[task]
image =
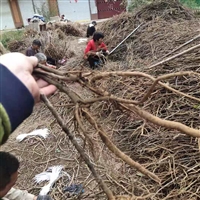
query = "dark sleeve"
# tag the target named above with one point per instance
(93, 29)
(30, 52)
(15, 98)
(27, 52)
(90, 31)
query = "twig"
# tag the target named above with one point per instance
(108, 98)
(53, 75)
(73, 96)
(181, 46)
(175, 56)
(117, 152)
(161, 122)
(141, 74)
(82, 128)
(79, 148)
(166, 76)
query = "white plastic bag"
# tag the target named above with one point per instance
(39, 132)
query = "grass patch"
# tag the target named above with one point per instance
(6, 37)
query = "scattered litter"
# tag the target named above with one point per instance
(52, 177)
(39, 132)
(63, 61)
(82, 40)
(75, 189)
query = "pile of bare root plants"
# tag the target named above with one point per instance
(135, 123)
(55, 41)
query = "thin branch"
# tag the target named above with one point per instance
(73, 96)
(175, 56)
(64, 78)
(166, 76)
(48, 69)
(161, 122)
(117, 152)
(108, 98)
(76, 113)
(141, 74)
(181, 46)
(61, 73)
(78, 148)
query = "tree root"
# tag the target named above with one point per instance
(117, 152)
(101, 183)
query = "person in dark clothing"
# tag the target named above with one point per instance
(34, 49)
(9, 167)
(95, 50)
(91, 29)
(19, 91)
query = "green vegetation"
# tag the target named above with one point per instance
(7, 36)
(191, 3)
(194, 4)
(137, 3)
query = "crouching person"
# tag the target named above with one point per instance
(95, 50)
(42, 59)
(9, 166)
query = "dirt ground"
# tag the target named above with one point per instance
(166, 151)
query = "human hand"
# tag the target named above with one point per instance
(51, 66)
(108, 52)
(22, 67)
(98, 53)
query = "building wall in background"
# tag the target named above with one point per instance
(109, 8)
(26, 9)
(6, 20)
(53, 6)
(93, 7)
(75, 10)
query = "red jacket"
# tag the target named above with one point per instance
(91, 46)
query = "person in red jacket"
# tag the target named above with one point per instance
(95, 49)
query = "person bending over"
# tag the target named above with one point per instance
(35, 48)
(91, 29)
(42, 59)
(9, 166)
(94, 49)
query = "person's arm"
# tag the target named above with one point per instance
(16, 103)
(89, 51)
(104, 47)
(92, 30)
(15, 194)
(29, 52)
(18, 91)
